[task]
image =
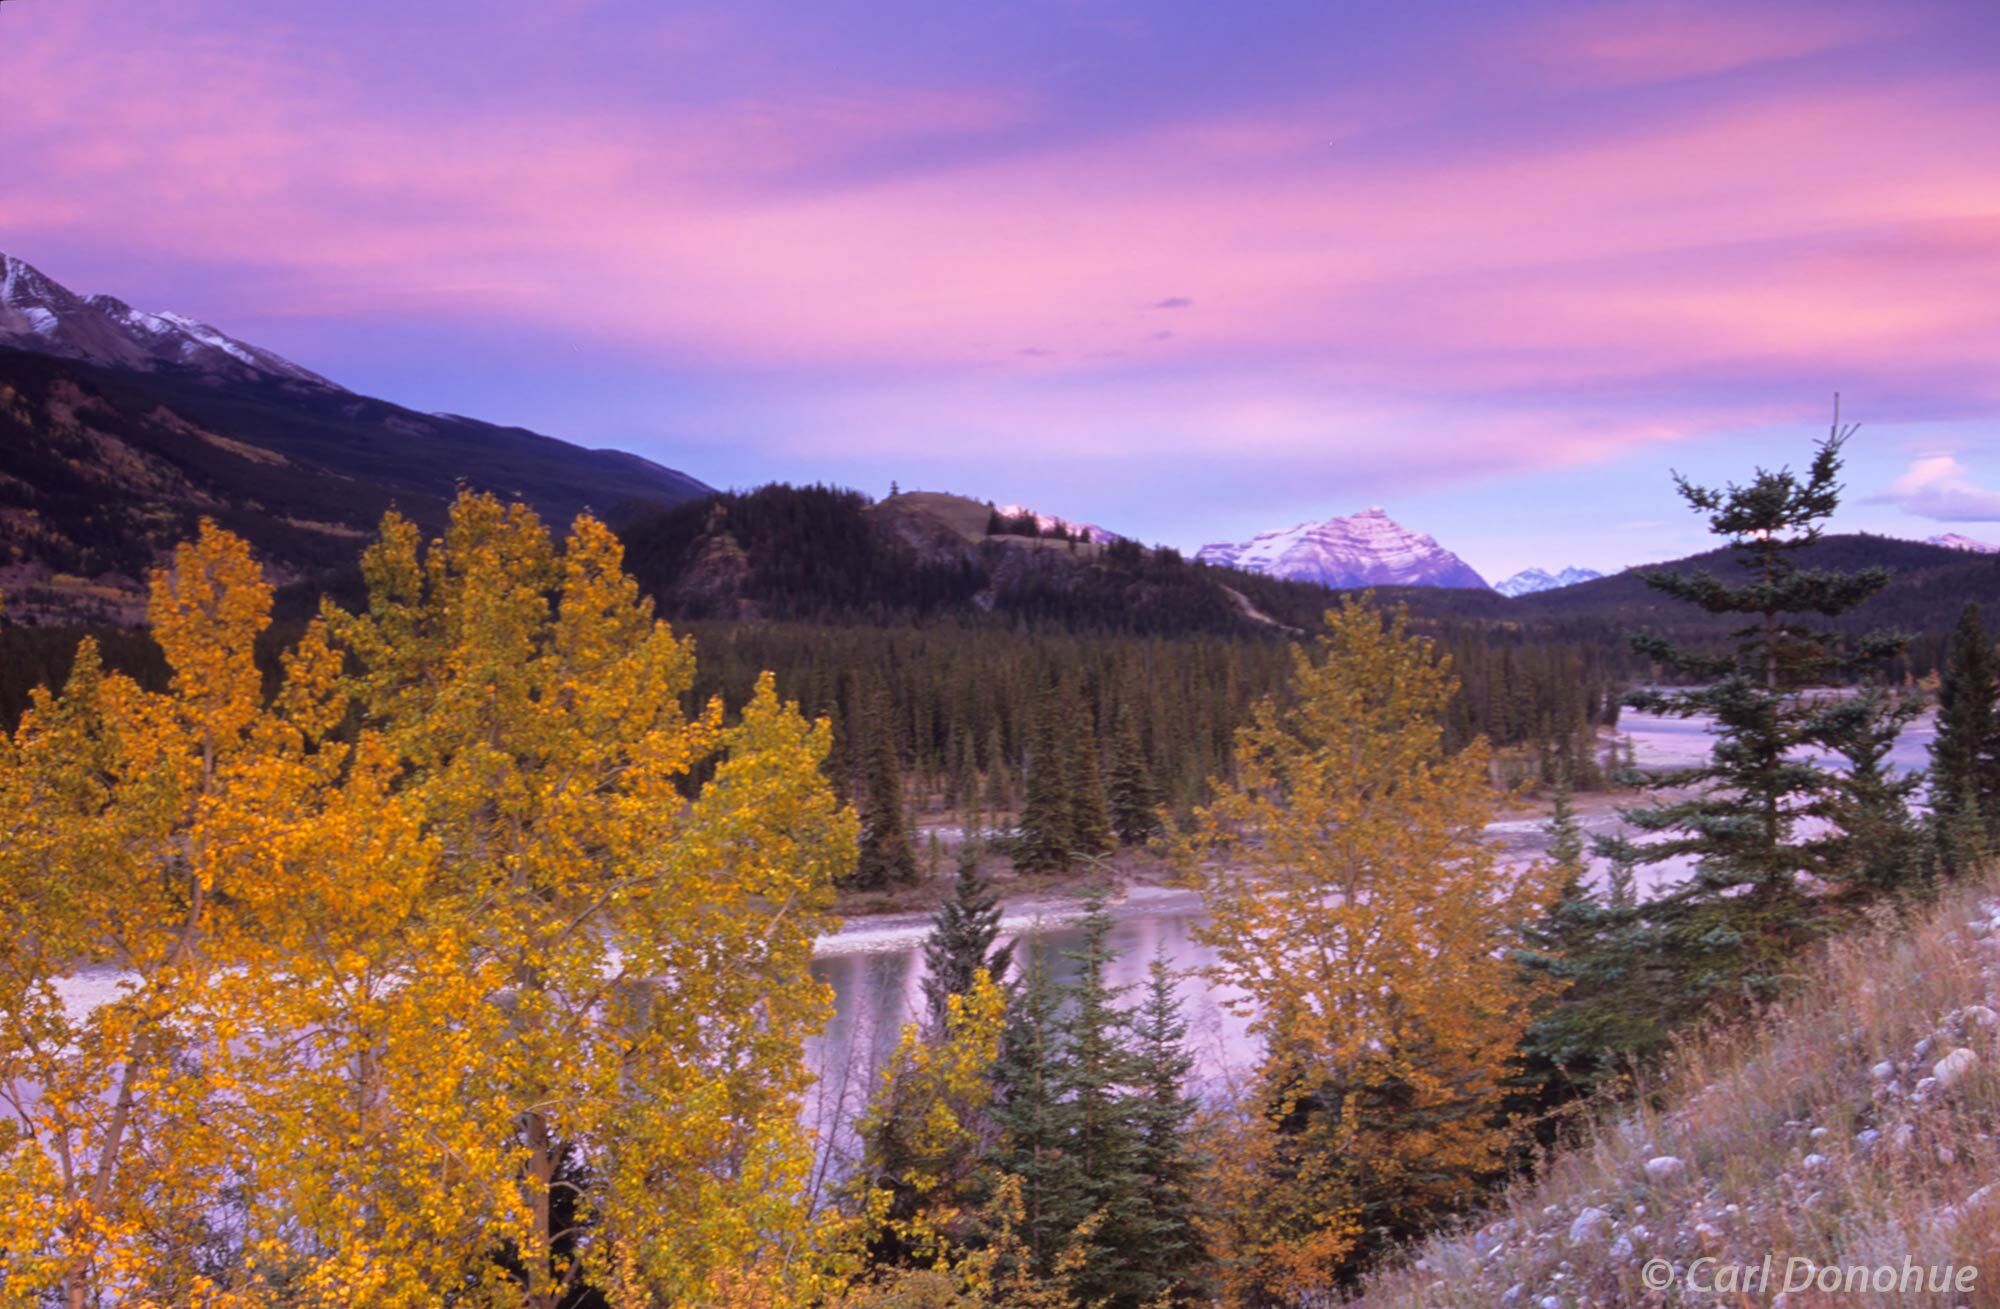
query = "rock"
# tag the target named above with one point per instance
(1955, 1067)
(1664, 1169)
(1903, 1138)
(1980, 1015)
(1883, 1071)
(1814, 1162)
(1593, 1224)
(1866, 1139)
(1512, 1295)
(1621, 1249)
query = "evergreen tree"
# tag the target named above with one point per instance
(1097, 1067)
(1167, 1254)
(1598, 950)
(1134, 795)
(961, 942)
(1876, 848)
(1046, 842)
(1730, 930)
(885, 855)
(1036, 1119)
(1965, 756)
(1588, 944)
(1565, 837)
(1089, 824)
(999, 773)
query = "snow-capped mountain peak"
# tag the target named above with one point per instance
(1050, 523)
(1364, 549)
(1953, 541)
(40, 314)
(1531, 580)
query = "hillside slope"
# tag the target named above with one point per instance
(1854, 1127)
(815, 554)
(101, 469)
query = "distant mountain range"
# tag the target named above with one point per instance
(1530, 581)
(1953, 541)
(1928, 586)
(1364, 549)
(121, 429)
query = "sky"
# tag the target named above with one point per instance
(1189, 270)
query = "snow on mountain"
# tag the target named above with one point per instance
(1364, 549)
(1530, 580)
(1049, 523)
(40, 314)
(1953, 541)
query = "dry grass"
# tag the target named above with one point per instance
(1822, 1132)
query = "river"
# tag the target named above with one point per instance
(875, 965)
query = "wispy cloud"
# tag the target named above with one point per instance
(1707, 220)
(1939, 487)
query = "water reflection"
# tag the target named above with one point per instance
(876, 967)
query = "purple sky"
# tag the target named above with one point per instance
(1187, 269)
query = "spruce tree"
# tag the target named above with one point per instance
(1134, 795)
(1731, 929)
(1089, 824)
(1168, 1257)
(998, 771)
(1876, 849)
(1046, 840)
(1097, 1067)
(961, 941)
(1589, 944)
(885, 855)
(1965, 756)
(1565, 837)
(1035, 1118)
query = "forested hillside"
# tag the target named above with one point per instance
(817, 554)
(1927, 587)
(104, 470)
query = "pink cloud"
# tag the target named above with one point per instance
(1654, 40)
(1843, 228)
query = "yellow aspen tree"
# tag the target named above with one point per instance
(135, 822)
(1355, 905)
(925, 1137)
(556, 952)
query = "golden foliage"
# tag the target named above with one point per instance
(1365, 923)
(924, 1130)
(468, 935)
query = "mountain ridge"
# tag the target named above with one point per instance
(121, 429)
(1532, 581)
(40, 314)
